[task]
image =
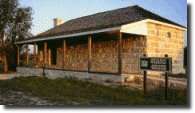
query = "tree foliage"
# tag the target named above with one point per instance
(15, 24)
(15, 21)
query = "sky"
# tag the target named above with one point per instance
(44, 11)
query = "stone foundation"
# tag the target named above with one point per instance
(124, 79)
(25, 71)
(53, 74)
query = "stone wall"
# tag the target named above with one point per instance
(104, 56)
(163, 40)
(136, 80)
(25, 71)
(76, 57)
(133, 48)
(53, 74)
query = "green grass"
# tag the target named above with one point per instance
(67, 91)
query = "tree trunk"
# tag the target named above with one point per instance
(5, 66)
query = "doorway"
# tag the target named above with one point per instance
(53, 56)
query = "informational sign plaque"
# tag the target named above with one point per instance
(163, 64)
(156, 64)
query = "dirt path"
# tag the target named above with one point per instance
(16, 98)
(7, 76)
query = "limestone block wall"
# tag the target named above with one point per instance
(76, 57)
(104, 56)
(133, 48)
(60, 57)
(163, 40)
(25, 71)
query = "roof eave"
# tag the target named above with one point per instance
(166, 24)
(69, 35)
(96, 31)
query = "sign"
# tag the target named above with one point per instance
(156, 64)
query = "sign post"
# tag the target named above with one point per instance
(163, 64)
(166, 81)
(145, 80)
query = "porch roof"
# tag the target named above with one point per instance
(100, 22)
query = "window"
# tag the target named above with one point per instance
(169, 34)
(54, 56)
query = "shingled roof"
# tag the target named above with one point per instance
(108, 19)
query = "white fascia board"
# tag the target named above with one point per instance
(70, 35)
(138, 28)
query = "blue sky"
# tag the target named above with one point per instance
(45, 10)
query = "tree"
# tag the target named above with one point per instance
(15, 24)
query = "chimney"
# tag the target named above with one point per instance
(57, 21)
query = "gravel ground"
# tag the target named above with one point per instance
(16, 98)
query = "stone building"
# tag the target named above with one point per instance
(104, 46)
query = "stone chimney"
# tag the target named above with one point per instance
(57, 21)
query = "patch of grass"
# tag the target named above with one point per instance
(69, 91)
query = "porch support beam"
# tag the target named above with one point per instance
(45, 53)
(27, 55)
(35, 54)
(49, 57)
(64, 53)
(119, 53)
(18, 55)
(89, 52)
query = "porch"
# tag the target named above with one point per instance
(111, 52)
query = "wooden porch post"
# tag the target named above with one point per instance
(89, 52)
(64, 53)
(18, 55)
(27, 57)
(35, 54)
(119, 53)
(49, 57)
(45, 53)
